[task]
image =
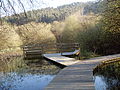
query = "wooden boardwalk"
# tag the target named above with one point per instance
(77, 76)
(61, 59)
(79, 73)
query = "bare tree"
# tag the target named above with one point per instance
(14, 7)
(8, 6)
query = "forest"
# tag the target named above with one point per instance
(95, 25)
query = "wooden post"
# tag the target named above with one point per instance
(42, 49)
(61, 48)
(79, 55)
(79, 51)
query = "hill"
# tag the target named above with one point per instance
(50, 14)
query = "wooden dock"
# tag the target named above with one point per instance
(61, 58)
(78, 76)
(37, 50)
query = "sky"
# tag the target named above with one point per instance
(55, 3)
(37, 4)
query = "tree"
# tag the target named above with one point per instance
(111, 25)
(57, 29)
(111, 16)
(47, 15)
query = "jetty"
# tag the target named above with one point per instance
(78, 75)
(62, 59)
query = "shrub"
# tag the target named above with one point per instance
(36, 33)
(8, 36)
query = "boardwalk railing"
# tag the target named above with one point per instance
(36, 51)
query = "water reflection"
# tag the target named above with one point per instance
(15, 81)
(100, 84)
(107, 77)
(35, 75)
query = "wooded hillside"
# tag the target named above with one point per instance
(48, 15)
(95, 25)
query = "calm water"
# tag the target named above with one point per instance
(104, 83)
(108, 77)
(28, 75)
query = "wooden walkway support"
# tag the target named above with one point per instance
(78, 76)
(36, 51)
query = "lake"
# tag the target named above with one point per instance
(19, 74)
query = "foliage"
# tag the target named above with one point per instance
(12, 64)
(68, 23)
(91, 38)
(111, 16)
(33, 33)
(47, 15)
(57, 29)
(13, 36)
(100, 34)
(104, 37)
(111, 25)
(71, 29)
(8, 36)
(93, 7)
(84, 30)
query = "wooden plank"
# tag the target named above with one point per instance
(56, 57)
(62, 60)
(32, 50)
(78, 76)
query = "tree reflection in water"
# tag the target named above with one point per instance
(107, 77)
(26, 74)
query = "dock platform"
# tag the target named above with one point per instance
(78, 76)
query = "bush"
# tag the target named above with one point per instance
(72, 26)
(90, 39)
(84, 30)
(57, 29)
(36, 33)
(8, 36)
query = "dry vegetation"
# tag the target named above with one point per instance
(8, 36)
(15, 36)
(75, 28)
(95, 34)
(35, 33)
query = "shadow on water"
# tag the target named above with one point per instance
(107, 77)
(19, 74)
